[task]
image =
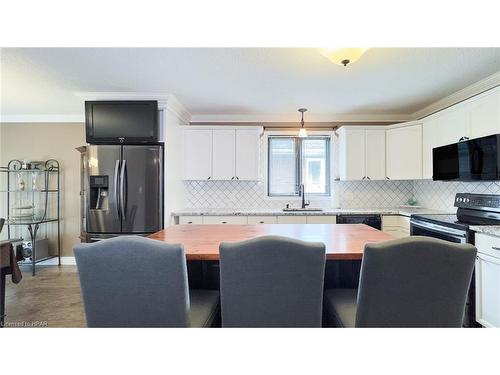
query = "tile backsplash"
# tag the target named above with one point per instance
(360, 194)
(251, 194)
(440, 195)
(346, 194)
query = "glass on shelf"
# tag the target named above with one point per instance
(25, 187)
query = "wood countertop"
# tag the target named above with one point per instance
(201, 242)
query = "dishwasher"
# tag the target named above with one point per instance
(373, 221)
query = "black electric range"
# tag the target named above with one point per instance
(473, 209)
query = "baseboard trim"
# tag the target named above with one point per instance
(65, 261)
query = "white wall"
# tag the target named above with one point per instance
(42, 141)
(175, 193)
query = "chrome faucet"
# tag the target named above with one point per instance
(302, 192)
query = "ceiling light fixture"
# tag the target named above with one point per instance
(342, 56)
(302, 131)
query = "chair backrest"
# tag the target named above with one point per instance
(132, 281)
(414, 282)
(272, 281)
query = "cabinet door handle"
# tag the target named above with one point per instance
(261, 222)
(190, 222)
(363, 177)
(224, 222)
(495, 248)
(232, 178)
(368, 178)
(209, 178)
(387, 178)
(237, 178)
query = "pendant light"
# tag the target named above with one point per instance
(302, 131)
(342, 56)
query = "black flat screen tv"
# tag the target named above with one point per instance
(121, 122)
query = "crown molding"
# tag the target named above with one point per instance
(172, 104)
(459, 96)
(293, 118)
(97, 95)
(165, 101)
(176, 107)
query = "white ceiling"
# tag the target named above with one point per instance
(241, 82)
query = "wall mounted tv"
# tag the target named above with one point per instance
(124, 121)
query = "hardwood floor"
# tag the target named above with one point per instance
(50, 299)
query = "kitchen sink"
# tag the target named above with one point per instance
(302, 209)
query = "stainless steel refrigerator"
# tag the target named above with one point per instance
(123, 190)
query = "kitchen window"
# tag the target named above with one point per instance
(293, 161)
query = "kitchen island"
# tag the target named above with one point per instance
(201, 242)
(344, 247)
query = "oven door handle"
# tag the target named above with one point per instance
(455, 233)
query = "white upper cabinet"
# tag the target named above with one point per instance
(476, 117)
(197, 154)
(247, 154)
(452, 125)
(361, 153)
(224, 154)
(484, 113)
(445, 127)
(221, 153)
(375, 154)
(404, 152)
(430, 128)
(352, 153)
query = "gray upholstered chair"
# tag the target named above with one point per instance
(410, 282)
(133, 281)
(272, 281)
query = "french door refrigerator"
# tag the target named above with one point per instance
(123, 190)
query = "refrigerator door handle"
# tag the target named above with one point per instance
(117, 186)
(123, 189)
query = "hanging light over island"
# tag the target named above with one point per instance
(302, 131)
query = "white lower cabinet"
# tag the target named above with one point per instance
(488, 280)
(282, 219)
(190, 219)
(262, 220)
(292, 220)
(224, 220)
(396, 225)
(488, 290)
(321, 219)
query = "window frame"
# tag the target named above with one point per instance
(298, 165)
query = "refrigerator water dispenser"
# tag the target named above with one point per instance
(99, 193)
